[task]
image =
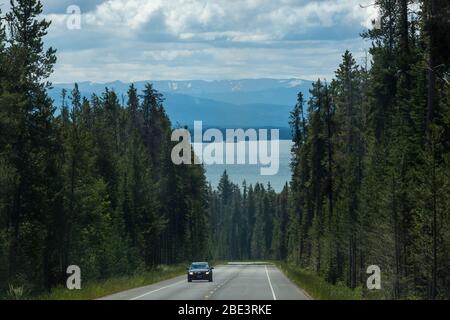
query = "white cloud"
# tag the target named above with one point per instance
(168, 55)
(124, 13)
(269, 19)
(305, 59)
(207, 39)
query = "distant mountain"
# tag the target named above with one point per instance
(184, 109)
(224, 103)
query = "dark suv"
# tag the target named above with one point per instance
(200, 271)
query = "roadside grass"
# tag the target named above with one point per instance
(97, 289)
(317, 287)
(216, 263)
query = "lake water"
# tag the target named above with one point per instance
(251, 173)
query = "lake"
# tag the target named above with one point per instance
(239, 173)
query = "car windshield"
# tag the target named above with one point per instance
(199, 266)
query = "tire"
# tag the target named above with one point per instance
(189, 279)
(210, 279)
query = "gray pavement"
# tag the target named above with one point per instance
(231, 282)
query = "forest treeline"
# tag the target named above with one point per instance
(90, 182)
(248, 222)
(371, 167)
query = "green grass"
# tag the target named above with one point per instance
(316, 286)
(98, 289)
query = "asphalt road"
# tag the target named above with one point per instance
(231, 282)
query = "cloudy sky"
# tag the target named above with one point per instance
(132, 40)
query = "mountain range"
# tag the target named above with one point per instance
(246, 103)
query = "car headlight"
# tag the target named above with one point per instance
(191, 273)
(207, 272)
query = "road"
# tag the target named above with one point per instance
(231, 282)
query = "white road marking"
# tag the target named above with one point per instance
(162, 288)
(270, 284)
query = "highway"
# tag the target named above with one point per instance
(231, 282)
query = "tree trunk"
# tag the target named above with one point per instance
(431, 98)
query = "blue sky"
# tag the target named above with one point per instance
(133, 40)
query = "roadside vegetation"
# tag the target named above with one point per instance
(98, 289)
(317, 287)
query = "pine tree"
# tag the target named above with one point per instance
(28, 66)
